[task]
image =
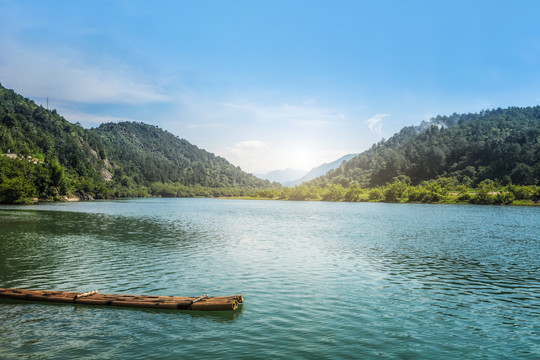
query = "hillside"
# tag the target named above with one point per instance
(148, 154)
(43, 156)
(501, 144)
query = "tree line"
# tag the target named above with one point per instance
(400, 190)
(500, 144)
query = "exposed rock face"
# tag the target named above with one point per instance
(74, 198)
(106, 175)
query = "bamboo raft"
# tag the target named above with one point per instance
(202, 303)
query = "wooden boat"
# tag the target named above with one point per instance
(203, 303)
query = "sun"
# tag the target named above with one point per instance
(302, 159)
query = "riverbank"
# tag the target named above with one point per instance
(440, 191)
(446, 202)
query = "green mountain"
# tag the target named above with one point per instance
(501, 144)
(149, 154)
(44, 156)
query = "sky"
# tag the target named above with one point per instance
(272, 84)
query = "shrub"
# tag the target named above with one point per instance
(375, 194)
(504, 198)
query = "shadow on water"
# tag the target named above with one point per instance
(104, 226)
(76, 251)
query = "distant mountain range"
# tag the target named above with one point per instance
(319, 170)
(282, 176)
(292, 177)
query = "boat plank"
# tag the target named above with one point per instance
(222, 303)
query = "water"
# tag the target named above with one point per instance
(321, 280)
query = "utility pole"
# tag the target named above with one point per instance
(47, 103)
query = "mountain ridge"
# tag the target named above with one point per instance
(498, 144)
(320, 170)
(282, 176)
(113, 160)
(158, 155)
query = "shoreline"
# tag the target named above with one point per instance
(519, 203)
(65, 199)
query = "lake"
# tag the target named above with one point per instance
(320, 280)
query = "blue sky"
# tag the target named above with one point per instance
(272, 84)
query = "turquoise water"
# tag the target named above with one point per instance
(321, 280)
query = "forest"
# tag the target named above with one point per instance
(501, 144)
(490, 157)
(45, 157)
(400, 190)
(148, 154)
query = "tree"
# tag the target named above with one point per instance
(17, 190)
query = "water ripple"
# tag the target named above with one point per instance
(321, 280)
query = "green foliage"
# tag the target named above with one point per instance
(499, 144)
(485, 194)
(422, 194)
(355, 193)
(447, 190)
(446, 160)
(267, 194)
(149, 154)
(302, 192)
(19, 181)
(375, 194)
(432, 191)
(394, 191)
(520, 192)
(333, 192)
(51, 158)
(299, 193)
(169, 189)
(51, 153)
(504, 198)
(535, 194)
(17, 191)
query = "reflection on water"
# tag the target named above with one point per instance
(325, 280)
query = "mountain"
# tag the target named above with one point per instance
(320, 170)
(148, 154)
(499, 144)
(44, 156)
(292, 177)
(283, 176)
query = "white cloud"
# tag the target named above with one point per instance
(64, 75)
(248, 146)
(302, 115)
(375, 123)
(250, 155)
(211, 125)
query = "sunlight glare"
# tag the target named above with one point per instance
(303, 159)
